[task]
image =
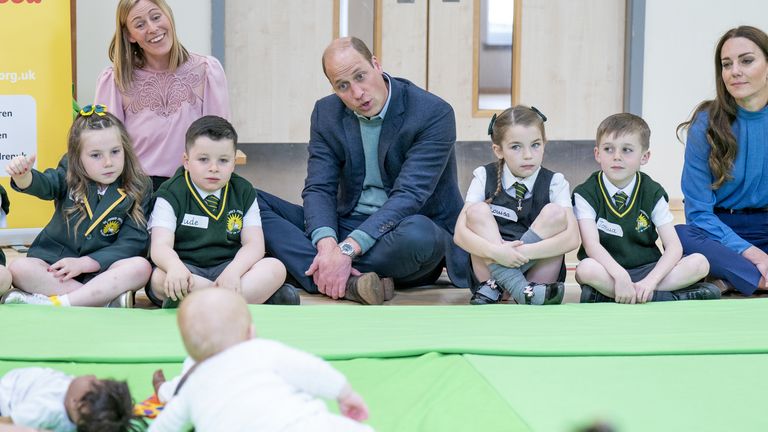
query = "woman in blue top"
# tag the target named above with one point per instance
(725, 176)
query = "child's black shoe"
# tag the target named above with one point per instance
(287, 294)
(698, 291)
(486, 293)
(591, 295)
(544, 294)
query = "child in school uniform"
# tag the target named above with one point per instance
(47, 399)
(206, 228)
(517, 222)
(239, 382)
(5, 275)
(621, 213)
(91, 251)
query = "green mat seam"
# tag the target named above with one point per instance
(496, 391)
(400, 354)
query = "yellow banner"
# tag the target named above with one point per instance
(35, 94)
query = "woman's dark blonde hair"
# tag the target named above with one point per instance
(126, 56)
(722, 110)
(518, 115)
(133, 181)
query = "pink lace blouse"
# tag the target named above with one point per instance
(160, 106)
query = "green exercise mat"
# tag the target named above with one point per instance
(427, 393)
(633, 394)
(345, 332)
(694, 365)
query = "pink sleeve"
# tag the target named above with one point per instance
(108, 94)
(216, 93)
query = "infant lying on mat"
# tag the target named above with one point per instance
(236, 381)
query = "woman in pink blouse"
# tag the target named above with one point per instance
(157, 87)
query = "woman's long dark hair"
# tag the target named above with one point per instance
(722, 110)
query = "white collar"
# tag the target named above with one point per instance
(202, 193)
(508, 179)
(612, 189)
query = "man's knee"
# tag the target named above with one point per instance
(264, 200)
(419, 234)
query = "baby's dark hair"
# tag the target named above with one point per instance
(108, 406)
(213, 127)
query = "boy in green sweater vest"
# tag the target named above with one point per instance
(621, 213)
(206, 229)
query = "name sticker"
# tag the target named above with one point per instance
(609, 228)
(503, 212)
(195, 221)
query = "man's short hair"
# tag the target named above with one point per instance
(356, 44)
(623, 124)
(213, 127)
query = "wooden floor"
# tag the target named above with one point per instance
(442, 293)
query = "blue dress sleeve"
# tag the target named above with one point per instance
(700, 199)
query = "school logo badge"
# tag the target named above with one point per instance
(111, 226)
(643, 221)
(234, 221)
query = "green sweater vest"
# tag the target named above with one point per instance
(203, 238)
(629, 236)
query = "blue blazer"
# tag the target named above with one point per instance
(416, 159)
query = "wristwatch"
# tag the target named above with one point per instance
(347, 249)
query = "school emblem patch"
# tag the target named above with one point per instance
(234, 221)
(111, 226)
(643, 221)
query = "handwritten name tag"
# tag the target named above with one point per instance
(503, 212)
(609, 228)
(195, 221)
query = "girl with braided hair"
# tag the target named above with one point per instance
(518, 221)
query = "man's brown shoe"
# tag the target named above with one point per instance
(366, 289)
(388, 285)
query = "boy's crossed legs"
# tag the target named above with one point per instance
(257, 285)
(684, 274)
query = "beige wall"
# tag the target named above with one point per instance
(572, 63)
(273, 51)
(96, 26)
(574, 74)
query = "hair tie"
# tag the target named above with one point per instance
(543, 117)
(89, 110)
(490, 125)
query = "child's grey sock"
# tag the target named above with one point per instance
(510, 279)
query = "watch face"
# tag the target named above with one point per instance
(347, 249)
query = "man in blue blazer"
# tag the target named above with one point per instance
(381, 194)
